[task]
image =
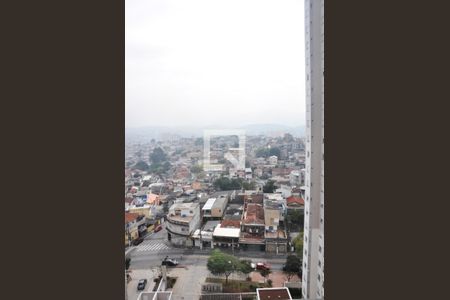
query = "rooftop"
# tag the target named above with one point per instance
(276, 234)
(231, 223)
(209, 204)
(226, 232)
(295, 201)
(254, 214)
(210, 225)
(281, 293)
(130, 217)
(179, 218)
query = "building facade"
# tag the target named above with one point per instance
(182, 221)
(313, 252)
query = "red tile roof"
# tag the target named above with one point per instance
(230, 223)
(254, 214)
(292, 200)
(129, 217)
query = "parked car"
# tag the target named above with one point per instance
(158, 228)
(138, 241)
(141, 284)
(169, 262)
(262, 266)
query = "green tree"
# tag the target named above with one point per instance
(245, 267)
(141, 165)
(269, 187)
(275, 151)
(248, 185)
(226, 184)
(265, 273)
(298, 244)
(292, 266)
(220, 263)
(295, 217)
(158, 156)
(196, 169)
(266, 152)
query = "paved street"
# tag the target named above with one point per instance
(191, 272)
(152, 246)
(133, 293)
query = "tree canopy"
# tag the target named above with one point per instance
(245, 266)
(298, 244)
(269, 187)
(248, 185)
(227, 184)
(196, 169)
(220, 263)
(158, 156)
(141, 165)
(266, 152)
(292, 266)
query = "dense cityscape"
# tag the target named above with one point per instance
(175, 208)
(231, 215)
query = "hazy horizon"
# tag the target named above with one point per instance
(203, 63)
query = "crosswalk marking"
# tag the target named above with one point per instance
(152, 246)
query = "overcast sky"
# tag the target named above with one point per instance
(214, 62)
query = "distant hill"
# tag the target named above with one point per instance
(145, 134)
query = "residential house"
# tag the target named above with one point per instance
(227, 234)
(297, 177)
(203, 238)
(248, 173)
(214, 208)
(295, 202)
(281, 171)
(133, 222)
(275, 235)
(258, 172)
(197, 186)
(253, 197)
(272, 160)
(284, 190)
(252, 227)
(182, 221)
(153, 199)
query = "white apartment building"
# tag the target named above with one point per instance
(313, 254)
(182, 221)
(273, 160)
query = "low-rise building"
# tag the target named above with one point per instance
(297, 177)
(182, 221)
(274, 218)
(133, 222)
(203, 238)
(248, 173)
(214, 208)
(272, 160)
(252, 227)
(227, 234)
(295, 202)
